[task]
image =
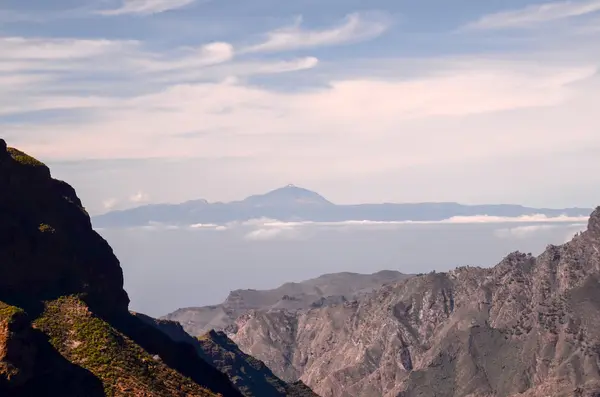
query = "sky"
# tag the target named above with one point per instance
(142, 101)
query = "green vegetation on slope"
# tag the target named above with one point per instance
(250, 375)
(123, 367)
(8, 313)
(23, 158)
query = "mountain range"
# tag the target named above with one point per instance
(529, 326)
(321, 291)
(65, 327)
(292, 203)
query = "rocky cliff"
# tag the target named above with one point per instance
(65, 328)
(529, 326)
(251, 376)
(317, 292)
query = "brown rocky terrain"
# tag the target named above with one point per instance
(529, 326)
(251, 376)
(321, 291)
(65, 329)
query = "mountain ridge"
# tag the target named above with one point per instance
(316, 292)
(530, 326)
(291, 203)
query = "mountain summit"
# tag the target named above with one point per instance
(289, 195)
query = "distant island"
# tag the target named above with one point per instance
(293, 204)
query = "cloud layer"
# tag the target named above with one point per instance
(146, 7)
(536, 14)
(355, 28)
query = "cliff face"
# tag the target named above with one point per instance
(64, 321)
(318, 292)
(47, 243)
(527, 327)
(251, 376)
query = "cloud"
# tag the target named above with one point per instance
(535, 14)
(209, 54)
(530, 230)
(146, 7)
(262, 120)
(60, 49)
(270, 234)
(110, 203)
(269, 229)
(204, 226)
(139, 197)
(355, 28)
(477, 219)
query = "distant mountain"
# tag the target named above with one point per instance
(528, 327)
(318, 292)
(291, 203)
(288, 196)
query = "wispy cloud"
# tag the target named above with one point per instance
(356, 27)
(110, 203)
(146, 7)
(530, 230)
(48, 49)
(274, 234)
(190, 58)
(536, 14)
(139, 197)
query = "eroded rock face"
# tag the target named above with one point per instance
(529, 325)
(47, 244)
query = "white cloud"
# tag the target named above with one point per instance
(530, 230)
(139, 197)
(269, 234)
(110, 203)
(355, 28)
(477, 219)
(268, 229)
(209, 54)
(415, 112)
(203, 226)
(146, 7)
(535, 14)
(44, 49)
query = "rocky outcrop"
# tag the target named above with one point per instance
(251, 376)
(321, 291)
(65, 328)
(529, 326)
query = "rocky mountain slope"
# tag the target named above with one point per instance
(292, 203)
(527, 327)
(251, 376)
(65, 328)
(321, 291)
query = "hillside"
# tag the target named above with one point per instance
(251, 376)
(529, 326)
(321, 291)
(64, 321)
